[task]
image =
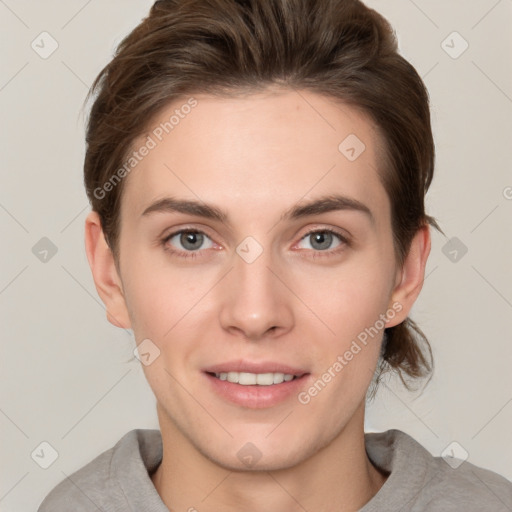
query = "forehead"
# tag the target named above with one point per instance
(264, 150)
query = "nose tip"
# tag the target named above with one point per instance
(252, 329)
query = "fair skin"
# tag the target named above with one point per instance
(300, 303)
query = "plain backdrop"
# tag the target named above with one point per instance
(70, 379)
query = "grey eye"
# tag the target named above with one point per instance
(188, 241)
(321, 240)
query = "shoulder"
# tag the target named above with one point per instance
(83, 489)
(424, 482)
(467, 486)
(95, 486)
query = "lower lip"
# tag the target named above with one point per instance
(256, 397)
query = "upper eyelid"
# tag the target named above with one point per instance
(335, 231)
(178, 231)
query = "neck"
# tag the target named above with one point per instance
(339, 477)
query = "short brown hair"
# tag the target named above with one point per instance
(338, 48)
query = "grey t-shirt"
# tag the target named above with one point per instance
(119, 480)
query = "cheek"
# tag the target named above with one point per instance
(349, 302)
(350, 305)
(159, 296)
(162, 306)
(348, 298)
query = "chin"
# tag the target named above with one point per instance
(259, 462)
(261, 452)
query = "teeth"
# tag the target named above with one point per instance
(250, 379)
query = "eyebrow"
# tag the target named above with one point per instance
(315, 207)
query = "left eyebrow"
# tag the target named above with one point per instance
(328, 204)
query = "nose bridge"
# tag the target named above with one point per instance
(253, 277)
(256, 300)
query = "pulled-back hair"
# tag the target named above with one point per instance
(337, 48)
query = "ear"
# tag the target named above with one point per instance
(409, 279)
(104, 272)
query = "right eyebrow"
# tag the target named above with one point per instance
(191, 207)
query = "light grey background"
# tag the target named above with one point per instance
(70, 378)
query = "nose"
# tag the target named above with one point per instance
(256, 302)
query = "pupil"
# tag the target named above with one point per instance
(323, 239)
(191, 240)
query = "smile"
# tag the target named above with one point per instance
(252, 379)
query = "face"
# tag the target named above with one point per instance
(272, 260)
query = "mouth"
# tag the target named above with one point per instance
(256, 385)
(255, 379)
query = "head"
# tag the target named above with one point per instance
(295, 146)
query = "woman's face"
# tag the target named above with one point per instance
(256, 245)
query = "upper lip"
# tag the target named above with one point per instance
(255, 367)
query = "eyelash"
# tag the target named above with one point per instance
(316, 254)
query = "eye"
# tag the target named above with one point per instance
(323, 239)
(187, 241)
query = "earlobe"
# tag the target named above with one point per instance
(106, 278)
(411, 276)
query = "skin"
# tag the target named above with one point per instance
(255, 157)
